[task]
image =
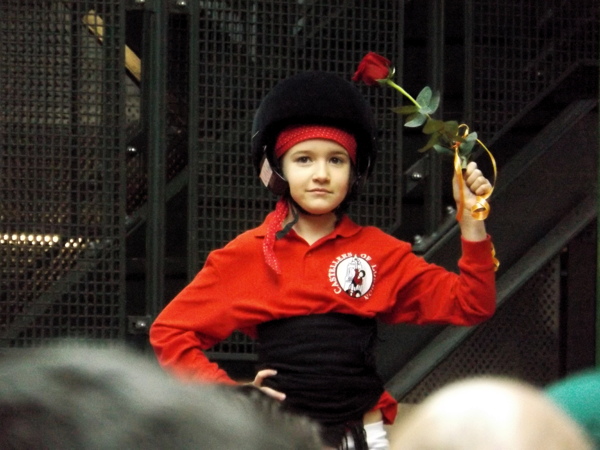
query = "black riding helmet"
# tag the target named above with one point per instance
(312, 98)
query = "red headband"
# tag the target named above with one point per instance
(295, 134)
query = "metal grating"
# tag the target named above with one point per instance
(521, 48)
(176, 115)
(246, 48)
(521, 341)
(61, 236)
(522, 51)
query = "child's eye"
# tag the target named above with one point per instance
(337, 160)
(302, 159)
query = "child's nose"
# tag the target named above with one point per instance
(321, 171)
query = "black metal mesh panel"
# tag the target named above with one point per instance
(521, 48)
(136, 163)
(61, 236)
(176, 113)
(522, 340)
(246, 48)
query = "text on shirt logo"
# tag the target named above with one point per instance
(352, 274)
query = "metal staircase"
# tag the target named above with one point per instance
(533, 220)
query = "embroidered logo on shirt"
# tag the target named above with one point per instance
(352, 274)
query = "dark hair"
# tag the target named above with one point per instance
(88, 397)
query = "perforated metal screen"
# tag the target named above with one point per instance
(521, 48)
(61, 239)
(522, 340)
(176, 113)
(246, 48)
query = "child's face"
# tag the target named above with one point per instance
(318, 172)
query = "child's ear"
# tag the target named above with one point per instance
(271, 178)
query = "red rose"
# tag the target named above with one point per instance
(373, 67)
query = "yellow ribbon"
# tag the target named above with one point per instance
(496, 260)
(481, 209)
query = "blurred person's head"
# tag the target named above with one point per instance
(487, 413)
(83, 397)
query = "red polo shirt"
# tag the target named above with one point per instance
(353, 270)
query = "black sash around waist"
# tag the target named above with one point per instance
(325, 365)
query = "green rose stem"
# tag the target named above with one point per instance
(481, 209)
(401, 90)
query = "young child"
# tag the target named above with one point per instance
(309, 283)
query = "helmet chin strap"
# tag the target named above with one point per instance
(296, 210)
(285, 230)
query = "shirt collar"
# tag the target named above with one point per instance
(344, 228)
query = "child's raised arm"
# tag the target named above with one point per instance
(475, 184)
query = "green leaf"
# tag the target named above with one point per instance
(424, 97)
(451, 128)
(466, 147)
(434, 103)
(415, 120)
(471, 137)
(467, 143)
(450, 132)
(432, 106)
(433, 140)
(432, 126)
(406, 109)
(464, 162)
(443, 150)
